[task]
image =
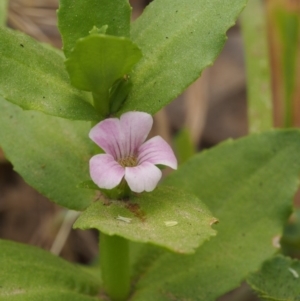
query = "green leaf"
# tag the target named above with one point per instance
(33, 77)
(277, 280)
(28, 273)
(96, 30)
(249, 185)
(118, 93)
(48, 295)
(178, 40)
(97, 61)
(50, 153)
(89, 184)
(77, 18)
(255, 36)
(166, 217)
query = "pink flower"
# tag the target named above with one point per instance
(127, 154)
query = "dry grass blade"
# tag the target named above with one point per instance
(36, 18)
(196, 102)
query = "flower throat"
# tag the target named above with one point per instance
(128, 161)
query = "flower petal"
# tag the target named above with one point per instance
(122, 138)
(136, 127)
(105, 171)
(142, 177)
(108, 135)
(157, 151)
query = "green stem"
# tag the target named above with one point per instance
(288, 23)
(121, 192)
(114, 260)
(3, 12)
(254, 30)
(101, 103)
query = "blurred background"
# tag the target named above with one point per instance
(211, 110)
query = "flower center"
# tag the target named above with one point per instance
(128, 162)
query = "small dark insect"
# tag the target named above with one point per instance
(22, 45)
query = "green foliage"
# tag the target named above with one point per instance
(290, 240)
(77, 18)
(150, 219)
(97, 61)
(254, 31)
(48, 165)
(278, 280)
(96, 30)
(50, 153)
(28, 273)
(246, 183)
(184, 146)
(178, 40)
(247, 186)
(118, 94)
(34, 78)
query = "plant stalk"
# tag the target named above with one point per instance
(259, 87)
(114, 261)
(101, 103)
